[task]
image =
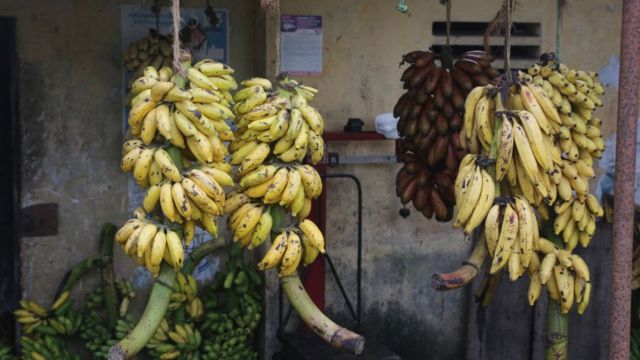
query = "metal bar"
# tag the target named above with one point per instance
(339, 283)
(334, 159)
(359, 255)
(623, 210)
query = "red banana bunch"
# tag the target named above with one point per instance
(430, 113)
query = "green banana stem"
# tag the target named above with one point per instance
(151, 318)
(176, 156)
(557, 344)
(108, 278)
(201, 252)
(557, 332)
(77, 272)
(329, 331)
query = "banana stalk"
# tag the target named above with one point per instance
(78, 271)
(466, 273)
(557, 324)
(557, 332)
(201, 252)
(108, 279)
(329, 331)
(151, 318)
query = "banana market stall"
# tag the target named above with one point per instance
(179, 182)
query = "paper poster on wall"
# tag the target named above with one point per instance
(301, 44)
(136, 21)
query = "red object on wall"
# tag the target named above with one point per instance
(314, 283)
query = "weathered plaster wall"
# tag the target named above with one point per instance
(70, 101)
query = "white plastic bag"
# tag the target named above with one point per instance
(386, 125)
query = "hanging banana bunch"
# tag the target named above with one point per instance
(277, 131)
(532, 156)
(176, 151)
(430, 122)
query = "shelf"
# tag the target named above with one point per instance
(354, 136)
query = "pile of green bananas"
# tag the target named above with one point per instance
(61, 319)
(176, 150)
(182, 341)
(98, 337)
(152, 50)
(529, 156)
(185, 295)
(45, 347)
(44, 329)
(277, 130)
(6, 352)
(234, 309)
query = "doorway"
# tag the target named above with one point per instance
(9, 179)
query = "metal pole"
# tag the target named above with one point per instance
(625, 180)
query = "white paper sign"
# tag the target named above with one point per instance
(301, 44)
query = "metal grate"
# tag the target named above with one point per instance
(469, 35)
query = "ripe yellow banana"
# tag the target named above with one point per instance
(311, 231)
(262, 230)
(484, 203)
(127, 229)
(292, 255)
(176, 251)
(180, 200)
(469, 108)
(199, 197)
(492, 228)
(275, 253)
(289, 193)
(505, 148)
(254, 159)
(145, 238)
(508, 235)
(276, 187)
(167, 166)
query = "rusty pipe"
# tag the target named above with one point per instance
(623, 210)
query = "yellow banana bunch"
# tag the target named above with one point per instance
(150, 243)
(474, 192)
(294, 127)
(576, 94)
(533, 142)
(292, 246)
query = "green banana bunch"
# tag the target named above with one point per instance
(234, 310)
(46, 347)
(6, 352)
(182, 341)
(152, 50)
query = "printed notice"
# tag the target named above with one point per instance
(301, 44)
